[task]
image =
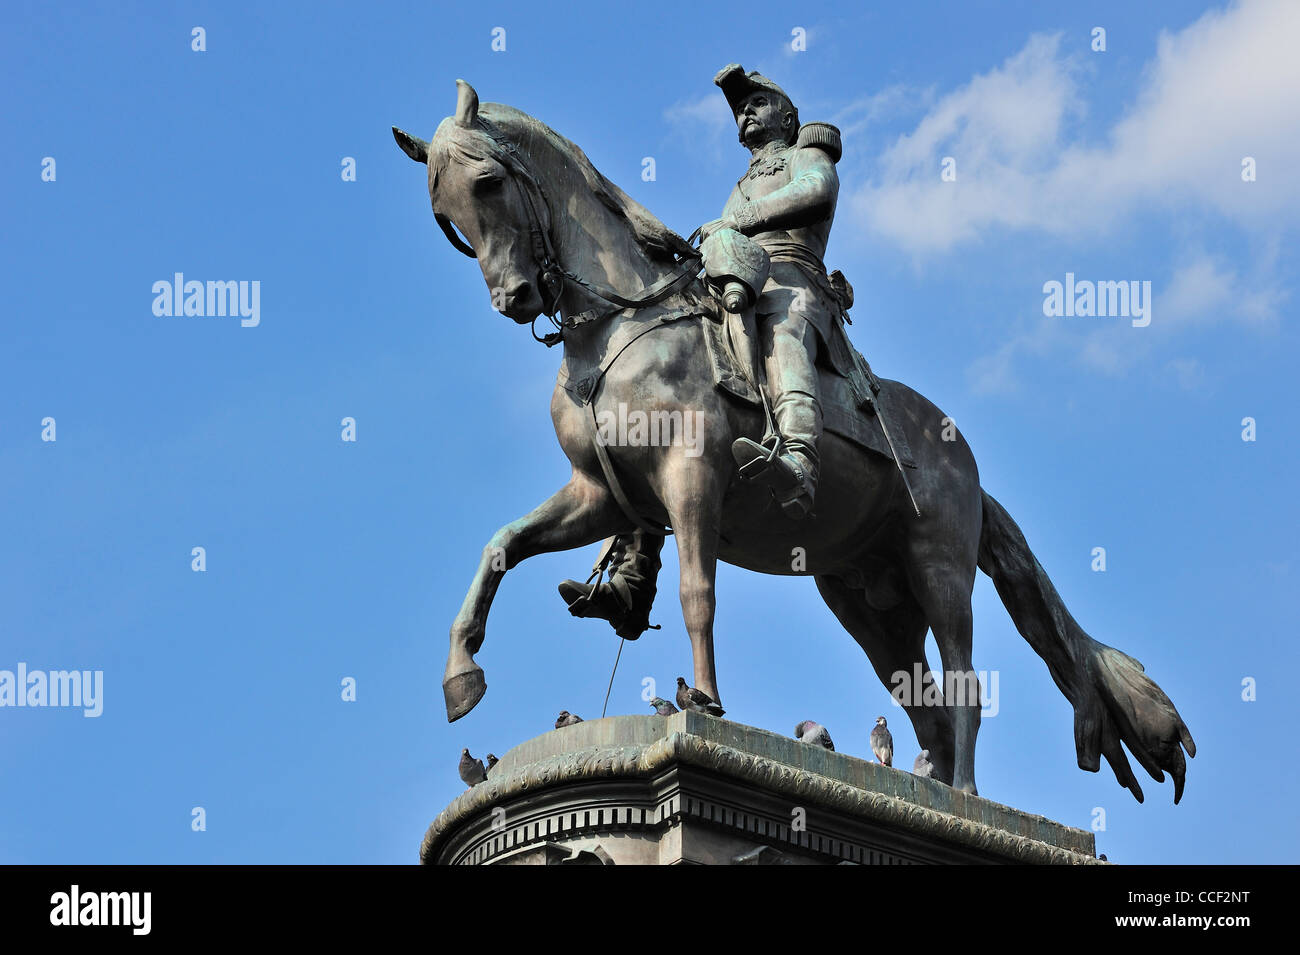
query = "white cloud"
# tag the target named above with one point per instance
(865, 111)
(1188, 372)
(1207, 290)
(703, 121)
(1204, 291)
(1198, 291)
(1225, 87)
(995, 373)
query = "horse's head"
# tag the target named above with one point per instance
(479, 186)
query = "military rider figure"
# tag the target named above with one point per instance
(786, 203)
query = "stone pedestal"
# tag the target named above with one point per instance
(694, 789)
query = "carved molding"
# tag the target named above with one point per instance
(770, 776)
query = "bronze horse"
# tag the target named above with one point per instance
(551, 233)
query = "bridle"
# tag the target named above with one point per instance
(552, 275)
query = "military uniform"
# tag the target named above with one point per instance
(786, 203)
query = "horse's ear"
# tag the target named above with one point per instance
(413, 146)
(466, 104)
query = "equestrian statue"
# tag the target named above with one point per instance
(803, 461)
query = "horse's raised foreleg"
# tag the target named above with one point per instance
(580, 513)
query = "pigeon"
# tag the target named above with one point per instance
(882, 742)
(491, 761)
(663, 707)
(566, 719)
(689, 698)
(814, 733)
(471, 769)
(922, 766)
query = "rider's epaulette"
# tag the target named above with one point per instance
(822, 135)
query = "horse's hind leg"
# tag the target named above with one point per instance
(580, 513)
(894, 641)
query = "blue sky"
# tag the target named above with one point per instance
(328, 559)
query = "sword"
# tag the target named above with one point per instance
(742, 330)
(884, 429)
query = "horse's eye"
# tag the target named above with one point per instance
(487, 183)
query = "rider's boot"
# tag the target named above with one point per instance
(791, 474)
(625, 600)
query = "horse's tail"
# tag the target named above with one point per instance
(1114, 700)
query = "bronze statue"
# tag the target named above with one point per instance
(786, 201)
(892, 556)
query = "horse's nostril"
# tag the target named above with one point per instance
(520, 292)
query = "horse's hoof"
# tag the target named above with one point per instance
(463, 691)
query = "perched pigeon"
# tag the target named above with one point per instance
(689, 698)
(922, 766)
(471, 769)
(814, 733)
(663, 707)
(491, 761)
(882, 742)
(566, 719)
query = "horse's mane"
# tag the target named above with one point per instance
(529, 133)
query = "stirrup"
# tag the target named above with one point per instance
(759, 462)
(784, 477)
